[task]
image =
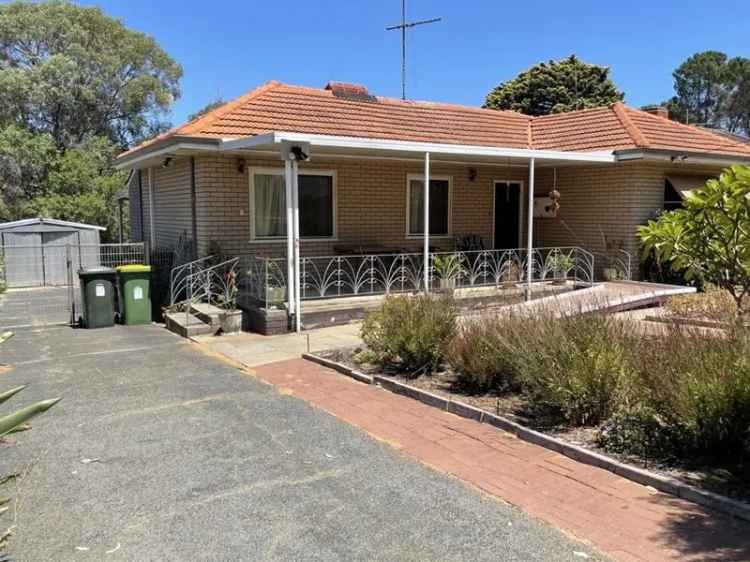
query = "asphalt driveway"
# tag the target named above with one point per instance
(161, 452)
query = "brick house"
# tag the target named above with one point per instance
(227, 178)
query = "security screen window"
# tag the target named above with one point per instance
(316, 206)
(439, 207)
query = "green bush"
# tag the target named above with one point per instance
(577, 369)
(481, 355)
(700, 384)
(410, 332)
(572, 369)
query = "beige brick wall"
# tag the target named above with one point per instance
(172, 211)
(371, 203)
(601, 205)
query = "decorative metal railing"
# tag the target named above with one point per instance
(178, 278)
(264, 279)
(619, 265)
(213, 284)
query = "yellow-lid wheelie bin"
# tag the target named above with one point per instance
(135, 294)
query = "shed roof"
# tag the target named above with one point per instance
(55, 222)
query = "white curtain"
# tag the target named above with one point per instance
(270, 206)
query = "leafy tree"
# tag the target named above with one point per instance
(709, 238)
(712, 89)
(76, 86)
(210, 106)
(555, 87)
(25, 162)
(82, 186)
(71, 71)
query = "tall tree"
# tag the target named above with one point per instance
(714, 90)
(76, 86)
(210, 106)
(72, 72)
(555, 87)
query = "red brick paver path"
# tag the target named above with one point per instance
(623, 519)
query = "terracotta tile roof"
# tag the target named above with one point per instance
(585, 130)
(348, 110)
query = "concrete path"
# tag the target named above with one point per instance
(161, 452)
(609, 296)
(625, 520)
(255, 349)
(24, 308)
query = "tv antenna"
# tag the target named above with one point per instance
(403, 27)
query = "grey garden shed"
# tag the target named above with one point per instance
(35, 251)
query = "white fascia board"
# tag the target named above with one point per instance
(249, 142)
(439, 148)
(695, 158)
(129, 162)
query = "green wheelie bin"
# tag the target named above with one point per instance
(98, 296)
(135, 294)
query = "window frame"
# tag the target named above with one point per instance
(449, 179)
(253, 171)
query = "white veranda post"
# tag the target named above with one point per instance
(530, 231)
(426, 221)
(289, 236)
(295, 223)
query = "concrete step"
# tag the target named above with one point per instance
(187, 325)
(207, 313)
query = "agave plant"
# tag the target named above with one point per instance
(16, 420)
(13, 422)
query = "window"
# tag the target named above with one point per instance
(440, 197)
(268, 204)
(672, 199)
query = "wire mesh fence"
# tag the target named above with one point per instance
(44, 281)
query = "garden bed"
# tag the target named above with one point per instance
(730, 481)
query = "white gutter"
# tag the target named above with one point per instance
(331, 141)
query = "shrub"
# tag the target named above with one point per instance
(700, 384)
(639, 430)
(572, 369)
(709, 237)
(577, 369)
(714, 304)
(411, 332)
(481, 356)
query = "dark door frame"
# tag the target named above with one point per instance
(521, 191)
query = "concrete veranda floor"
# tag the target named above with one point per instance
(161, 452)
(255, 349)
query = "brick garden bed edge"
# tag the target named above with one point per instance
(663, 484)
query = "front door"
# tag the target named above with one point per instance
(507, 214)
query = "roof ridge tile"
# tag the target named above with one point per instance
(635, 133)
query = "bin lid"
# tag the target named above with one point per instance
(96, 271)
(134, 268)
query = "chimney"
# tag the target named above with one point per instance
(351, 92)
(658, 110)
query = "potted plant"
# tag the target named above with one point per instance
(230, 318)
(511, 275)
(560, 264)
(447, 269)
(275, 294)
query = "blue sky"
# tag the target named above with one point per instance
(226, 48)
